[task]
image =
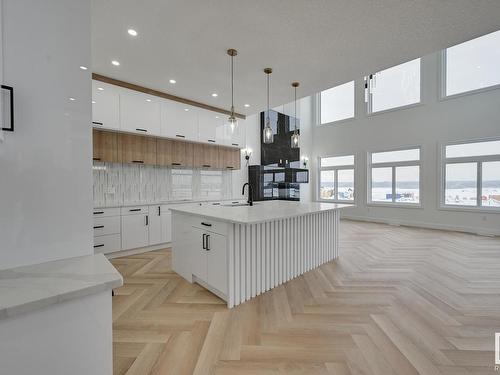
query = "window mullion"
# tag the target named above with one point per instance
(479, 183)
(393, 184)
(336, 184)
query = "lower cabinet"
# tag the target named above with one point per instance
(160, 224)
(135, 228)
(209, 258)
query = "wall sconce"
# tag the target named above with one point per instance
(247, 153)
(304, 159)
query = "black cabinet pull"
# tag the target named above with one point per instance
(134, 209)
(216, 204)
(208, 242)
(10, 89)
(206, 224)
(235, 202)
(98, 212)
(141, 130)
(176, 163)
(101, 245)
(159, 210)
(206, 166)
(97, 123)
(138, 161)
(234, 144)
(230, 167)
(96, 159)
(211, 140)
(203, 241)
(99, 227)
(147, 220)
(180, 136)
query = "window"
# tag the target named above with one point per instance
(395, 87)
(337, 103)
(472, 175)
(472, 65)
(336, 178)
(395, 177)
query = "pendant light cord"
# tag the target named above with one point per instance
(295, 105)
(268, 95)
(232, 87)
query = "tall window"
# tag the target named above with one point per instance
(395, 87)
(337, 103)
(472, 174)
(473, 65)
(394, 177)
(336, 178)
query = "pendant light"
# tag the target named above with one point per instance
(232, 120)
(267, 132)
(295, 136)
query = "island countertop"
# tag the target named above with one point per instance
(261, 211)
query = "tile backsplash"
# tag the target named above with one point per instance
(118, 184)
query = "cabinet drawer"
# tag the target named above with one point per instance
(104, 212)
(210, 225)
(134, 210)
(106, 225)
(107, 244)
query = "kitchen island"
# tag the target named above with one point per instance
(240, 251)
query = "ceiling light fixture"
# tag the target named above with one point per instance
(115, 63)
(132, 32)
(295, 136)
(186, 109)
(83, 67)
(172, 81)
(215, 95)
(267, 132)
(100, 89)
(232, 120)
(72, 99)
(148, 100)
(247, 105)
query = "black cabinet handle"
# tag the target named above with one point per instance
(98, 212)
(159, 210)
(211, 140)
(176, 163)
(180, 136)
(96, 159)
(97, 123)
(147, 220)
(206, 166)
(134, 209)
(206, 224)
(141, 130)
(234, 144)
(101, 245)
(138, 161)
(208, 242)
(99, 227)
(216, 204)
(203, 241)
(230, 167)
(10, 89)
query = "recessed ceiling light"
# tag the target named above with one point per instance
(132, 32)
(172, 81)
(148, 100)
(115, 63)
(216, 116)
(247, 105)
(93, 101)
(100, 89)
(72, 99)
(186, 109)
(214, 94)
(83, 67)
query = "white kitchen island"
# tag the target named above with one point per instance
(239, 251)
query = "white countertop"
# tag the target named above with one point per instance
(28, 288)
(259, 212)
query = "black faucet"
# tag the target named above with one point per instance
(250, 193)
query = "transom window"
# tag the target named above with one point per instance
(472, 175)
(394, 87)
(473, 65)
(394, 177)
(337, 103)
(336, 178)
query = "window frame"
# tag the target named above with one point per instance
(394, 165)
(442, 80)
(369, 102)
(336, 168)
(318, 107)
(479, 160)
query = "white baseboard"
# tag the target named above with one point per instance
(421, 224)
(125, 253)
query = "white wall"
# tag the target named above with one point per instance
(45, 165)
(466, 117)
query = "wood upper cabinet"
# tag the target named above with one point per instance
(174, 153)
(105, 146)
(206, 156)
(229, 158)
(137, 149)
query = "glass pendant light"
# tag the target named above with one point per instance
(267, 132)
(232, 120)
(295, 136)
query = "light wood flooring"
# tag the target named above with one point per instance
(397, 301)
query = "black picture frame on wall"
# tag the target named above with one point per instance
(10, 89)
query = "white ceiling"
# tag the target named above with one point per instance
(320, 43)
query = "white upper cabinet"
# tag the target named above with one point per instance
(208, 123)
(105, 105)
(179, 120)
(139, 113)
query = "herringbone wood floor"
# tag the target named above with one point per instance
(397, 301)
